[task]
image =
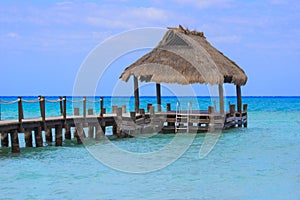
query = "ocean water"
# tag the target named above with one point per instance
(258, 162)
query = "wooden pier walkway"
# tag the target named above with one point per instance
(123, 124)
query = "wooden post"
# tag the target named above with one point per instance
(99, 132)
(84, 107)
(245, 107)
(101, 106)
(20, 113)
(48, 133)
(123, 108)
(211, 111)
(151, 111)
(148, 107)
(114, 109)
(232, 110)
(158, 97)
(58, 135)
(168, 107)
(221, 99)
(61, 106)
(103, 111)
(136, 95)
(43, 111)
(239, 102)
(4, 139)
(90, 111)
(76, 111)
(67, 132)
(91, 131)
(119, 122)
(38, 137)
(65, 108)
(28, 137)
(15, 148)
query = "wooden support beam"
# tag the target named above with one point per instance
(136, 95)
(65, 107)
(4, 139)
(20, 113)
(15, 148)
(123, 108)
(84, 107)
(49, 136)
(158, 97)
(168, 107)
(67, 132)
(239, 103)
(100, 132)
(61, 107)
(43, 111)
(221, 98)
(76, 111)
(28, 137)
(211, 113)
(58, 135)
(38, 137)
(148, 106)
(119, 122)
(101, 106)
(91, 131)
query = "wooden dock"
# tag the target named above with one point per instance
(123, 124)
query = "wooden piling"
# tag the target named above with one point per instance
(84, 107)
(123, 108)
(168, 107)
(58, 135)
(61, 106)
(114, 109)
(67, 132)
(232, 110)
(119, 122)
(43, 111)
(148, 106)
(20, 113)
(65, 107)
(158, 97)
(136, 94)
(100, 133)
(28, 137)
(101, 106)
(211, 111)
(4, 139)
(38, 137)
(91, 127)
(49, 136)
(245, 107)
(76, 111)
(15, 148)
(221, 99)
(79, 133)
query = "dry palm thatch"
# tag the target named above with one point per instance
(185, 57)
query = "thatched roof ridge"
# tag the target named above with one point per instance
(185, 57)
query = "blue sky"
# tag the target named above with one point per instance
(43, 43)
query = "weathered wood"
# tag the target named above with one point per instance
(15, 147)
(119, 122)
(114, 109)
(65, 107)
(221, 98)
(38, 137)
(123, 108)
(245, 107)
(151, 110)
(232, 110)
(158, 97)
(4, 139)
(101, 106)
(20, 113)
(239, 102)
(61, 107)
(168, 107)
(211, 111)
(76, 111)
(68, 132)
(133, 116)
(48, 134)
(103, 111)
(100, 132)
(28, 138)
(142, 112)
(58, 135)
(148, 106)
(43, 110)
(90, 111)
(136, 95)
(79, 133)
(91, 131)
(84, 107)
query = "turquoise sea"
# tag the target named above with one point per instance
(258, 162)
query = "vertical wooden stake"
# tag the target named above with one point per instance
(58, 135)
(4, 139)
(28, 137)
(65, 108)
(239, 103)
(123, 108)
(158, 97)
(136, 95)
(49, 136)
(38, 137)
(168, 107)
(101, 106)
(221, 99)
(84, 107)
(119, 122)
(67, 132)
(211, 113)
(20, 113)
(15, 148)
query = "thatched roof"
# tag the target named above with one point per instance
(185, 57)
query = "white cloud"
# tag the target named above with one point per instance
(12, 35)
(201, 4)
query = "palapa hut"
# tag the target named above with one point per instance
(186, 57)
